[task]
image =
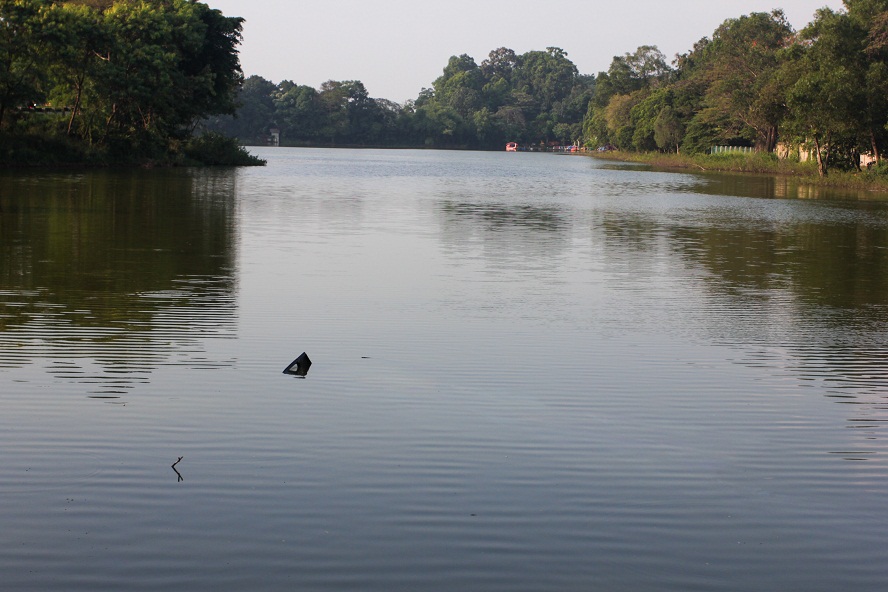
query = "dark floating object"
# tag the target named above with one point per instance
(299, 366)
(178, 474)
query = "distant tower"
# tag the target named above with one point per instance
(274, 137)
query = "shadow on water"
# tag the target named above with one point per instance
(108, 274)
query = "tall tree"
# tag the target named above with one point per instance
(870, 17)
(75, 61)
(826, 93)
(616, 92)
(548, 76)
(460, 86)
(297, 111)
(742, 64)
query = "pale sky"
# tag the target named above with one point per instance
(397, 47)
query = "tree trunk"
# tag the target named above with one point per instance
(876, 153)
(108, 124)
(772, 139)
(821, 162)
(76, 105)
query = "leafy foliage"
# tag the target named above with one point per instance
(132, 79)
(141, 75)
(754, 83)
(535, 98)
(216, 149)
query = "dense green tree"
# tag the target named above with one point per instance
(534, 98)
(136, 75)
(644, 117)
(99, 5)
(74, 66)
(645, 67)
(827, 94)
(500, 64)
(165, 65)
(741, 66)
(21, 41)
(296, 111)
(210, 64)
(618, 118)
(256, 111)
(548, 76)
(460, 85)
(627, 83)
(333, 99)
(511, 122)
(871, 19)
(339, 113)
(668, 130)
(362, 112)
(386, 127)
(508, 97)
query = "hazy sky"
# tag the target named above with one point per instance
(396, 47)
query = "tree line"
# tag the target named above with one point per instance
(119, 77)
(528, 98)
(754, 82)
(139, 77)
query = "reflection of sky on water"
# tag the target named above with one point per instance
(113, 358)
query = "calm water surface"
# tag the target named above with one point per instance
(531, 372)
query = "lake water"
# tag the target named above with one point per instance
(530, 372)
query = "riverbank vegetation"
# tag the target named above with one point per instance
(116, 82)
(820, 93)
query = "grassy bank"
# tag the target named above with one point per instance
(870, 180)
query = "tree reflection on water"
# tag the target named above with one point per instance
(108, 274)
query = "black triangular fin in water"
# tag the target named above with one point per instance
(299, 366)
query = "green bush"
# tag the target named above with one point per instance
(39, 150)
(880, 170)
(215, 149)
